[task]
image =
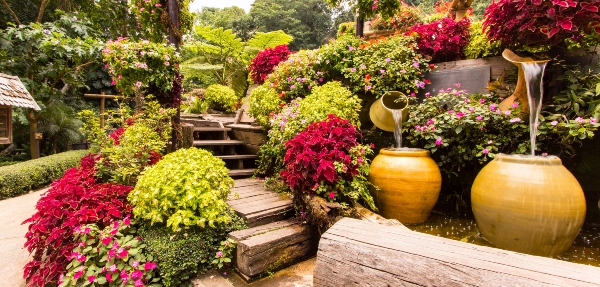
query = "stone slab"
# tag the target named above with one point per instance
(472, 79)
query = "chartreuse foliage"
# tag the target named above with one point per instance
(192, 194)
(330, 98)
(22, 177)
(479, 46)
(221, 98)
(264, 102)
(189, 250)
(113, 256)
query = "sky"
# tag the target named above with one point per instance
(198, 4)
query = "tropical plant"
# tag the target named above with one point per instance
(538, 23)
(580, 99)
(442, 40)
(263, 103)
(264, 62)
(406, 17)
(330, 98)
(153, 18)
(74, 200)
(61, 125)
(193, 102)
(326, 159)
(113, 256)
(479, 46)
(223, 56)
(220, 98)
(193, 196)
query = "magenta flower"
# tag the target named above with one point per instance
(78, 274)
(91, 278)
(80, 257)
(126, 221)
(220, 254)
(320, 79)
(108, 277)
(593, 120)
(138, 84)
(359, 160)
(368, 87)
(106, 240)
(124, 275)
(514, 105)
(166, 63)
(113, 82)
(485, 151)
(149, 266)
(460, 115)
(438, 142)
(292, 87)
(482, 101)
(387, 60)
(138, 283)
(579, 120)
(427, 94)
(515, 120)
(493, 107)
(350, 48)
(331, 195)
(479, 118)
(135, 264)
(122, 252)
(113, 268)
(137, 274)
(85, 230)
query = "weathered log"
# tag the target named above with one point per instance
(358, 253)
(187, 135)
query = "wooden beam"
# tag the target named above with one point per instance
(102, 97)
(358, 253)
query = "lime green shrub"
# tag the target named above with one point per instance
(220, 98)
(479, 46)
(264, 102)
(22, 177)
(186, 187)
(331, 98)
(346, 28)
(189, 250)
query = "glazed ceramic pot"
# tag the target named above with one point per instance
(409, 182)
(528, 204)
(381, 110)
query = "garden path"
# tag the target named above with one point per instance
(13, 256)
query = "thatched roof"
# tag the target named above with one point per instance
(13, 93)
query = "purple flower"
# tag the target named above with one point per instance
(387, 60)
(416, 64)
(292, 87)
(46, 31)
(289, 79)
(350, 48)
(353, 70)
(321, 80)
(485, 151)
(368, 87)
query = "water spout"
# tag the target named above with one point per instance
(389, 112)
(534, 72)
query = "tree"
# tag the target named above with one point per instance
(225, 57)
(309, 22)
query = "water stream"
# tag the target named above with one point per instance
(397, 114)
(534, 72)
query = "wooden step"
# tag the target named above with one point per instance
(273, 246)
(211, 129)
(237, 156)
(241, 172)
(217, 142)
(258, 205)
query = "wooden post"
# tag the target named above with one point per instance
(173, 9)
(102, 97)
(102, 112)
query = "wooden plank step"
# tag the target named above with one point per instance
(255, 200)
(358, 253)
(237, 156)
(217, 142)
(271, 247)
(211, 129)
(241, 172)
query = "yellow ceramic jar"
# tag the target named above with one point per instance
(410, 183)
(528, 204)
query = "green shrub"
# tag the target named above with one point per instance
(346, 28)
(187, 187)
(330, 98)
(194, 102)
(181, 254)
(263, 101)
(479, 46)
(220, 98)
(22, 177)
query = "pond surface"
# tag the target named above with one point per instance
(585, 248)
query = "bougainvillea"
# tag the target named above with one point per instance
(327, 160)
(537, 22)
(113, 256)
(442, 40)
(264, 62)
(75, 199)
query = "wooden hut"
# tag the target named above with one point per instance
(12, 93)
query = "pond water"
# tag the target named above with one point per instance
(585, 248)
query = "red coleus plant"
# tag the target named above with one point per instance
(326, 159)
(540, 22)
(442, 40)
(75, 199)
(263, 64)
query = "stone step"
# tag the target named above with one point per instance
(217, 142)
(237, 156)
(270, 247)
(211, 129)
(242, 172)
(212, 278)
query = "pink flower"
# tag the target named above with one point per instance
(515, 120)
(135, 264)
(119, 76)
(479, 118)
(331, 195)
(593, 120)
(359, 160)
(138, 283)
(387, 60)
(471, 109)
(373, 7)
(554, 123)
(81, 257)
(350, 48)
(460, 114)
(372, 145)
(138, 84)
(91, 278)
(112, 268)
(490, 142)
(507, 112)
(438, 142)
(113, 82)
(78, 273)
(85, 230)
(482, 101)
(124, 275)
(109, 277)
(167, 63)
(368, 87)
(136, 274)
(544, 154)
(485, 151)
(149, 266)
(579, 120)
(106, 240)
(416, 64)
(493, 107)
(514, 105)
(122, 252)
(220, 254)
(126, 221)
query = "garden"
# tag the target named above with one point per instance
(350, 125)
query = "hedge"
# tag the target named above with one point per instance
(21, 178)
